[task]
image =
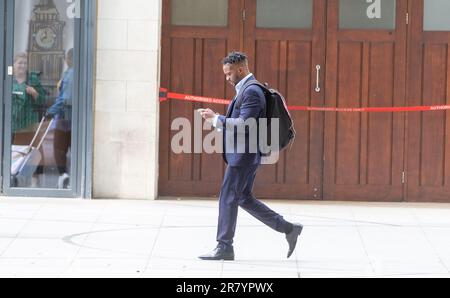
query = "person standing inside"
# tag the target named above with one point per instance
(237, 188)
(28, 96)
(61, 111)
(28, 100)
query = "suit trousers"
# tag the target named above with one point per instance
(236, 192)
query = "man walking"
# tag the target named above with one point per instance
(237, 188)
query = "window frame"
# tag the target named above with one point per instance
(83, 110)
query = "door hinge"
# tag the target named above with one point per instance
(407, 18)
(403, 177)
(244, 15)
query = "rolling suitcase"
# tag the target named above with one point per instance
(26, 159)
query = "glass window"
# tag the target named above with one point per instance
(200, 13)
(42, 94)
(437, 15)
(284, 14)
(367, 14)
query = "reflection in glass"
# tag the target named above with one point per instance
(284, 14)
(436, 15)
(41, 101)
(199, 13)
(362, 14)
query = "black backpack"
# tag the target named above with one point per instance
(276, 108)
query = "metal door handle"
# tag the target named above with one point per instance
(318, 79)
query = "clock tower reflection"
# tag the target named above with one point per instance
(46, 50)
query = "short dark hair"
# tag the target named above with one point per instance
(235, 58)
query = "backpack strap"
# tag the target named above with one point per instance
(240, 97)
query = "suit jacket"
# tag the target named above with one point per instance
(243, 113)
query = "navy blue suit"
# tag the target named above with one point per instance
(249, 104)
(237, 188)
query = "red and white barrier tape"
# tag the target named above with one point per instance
(166, 95)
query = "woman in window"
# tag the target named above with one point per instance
(28, 97)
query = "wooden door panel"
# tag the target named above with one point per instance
(348, 129)
(433, 124)
(191, 64)
(182, 79)
(211, 75)
(192, 77)
(293, 78)
(286, 58)
(381, 94)
(428, 151)
(271, 71)
(196, 75)
(299, 93)
(364, 152)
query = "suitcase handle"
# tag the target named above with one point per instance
(45, 134)
(37, 134)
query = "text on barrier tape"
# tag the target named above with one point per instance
(165, 95)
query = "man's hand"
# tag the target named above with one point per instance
(207, 114)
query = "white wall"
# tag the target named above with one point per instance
(126, 100)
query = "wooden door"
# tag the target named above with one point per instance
(194, 43)
(285, 41)
(366, 67)
(286, 58)
(428, 146)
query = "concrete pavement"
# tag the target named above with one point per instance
(109, 238)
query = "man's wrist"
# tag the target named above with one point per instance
(215, 120)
